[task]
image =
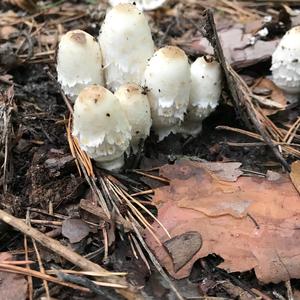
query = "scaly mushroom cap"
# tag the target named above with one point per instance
(136, 106)
(101, 126)
(206, 87)
(79, 62)
(167, 78)
(286, 62)
(140, 4)
(126, 43)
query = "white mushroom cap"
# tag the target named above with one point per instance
(126, 43)
(136, 106)
(141, 4)
(206, 87)
(167, 77)
(101, 126)
(79, 62)
(286, 62)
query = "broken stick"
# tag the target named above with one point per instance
(129, 292)
(239, 90)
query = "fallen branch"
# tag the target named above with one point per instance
(129, 293)
(239, 90)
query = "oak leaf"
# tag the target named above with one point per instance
(252, 223)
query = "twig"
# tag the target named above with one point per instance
(29, 278)
(238, 88)
(33, 273)
(151, 176)
(87, 283)
(38, 256)
(289, 290)
(76, 259)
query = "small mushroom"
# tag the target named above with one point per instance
(79, 62)
(141, 4)
(101, 126)
(126, 43)
(286, 64)
(206, 87)
(167, 78)
(136, 106)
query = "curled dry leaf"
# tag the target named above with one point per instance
(251, 223)
(12, 286)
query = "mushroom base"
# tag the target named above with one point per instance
(190, 128)
(112, 165)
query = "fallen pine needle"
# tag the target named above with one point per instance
(29, 272)
(87, 273)
(16, 262)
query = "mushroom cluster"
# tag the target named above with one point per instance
(121, 87)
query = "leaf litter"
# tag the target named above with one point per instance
(12, 286)
(252, 223)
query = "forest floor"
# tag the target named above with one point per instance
(40, 179)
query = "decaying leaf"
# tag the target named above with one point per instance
(75, 230)
(274, 100)
(183, 247)
(12, 286)
(236, 46)
(225, 171)
(295, 174)
(252, 223)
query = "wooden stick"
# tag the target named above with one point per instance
(130, 293)
(239, 90)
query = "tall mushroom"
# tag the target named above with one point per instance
(206, 87)
(167, 77)
(101, 126)
(141, 4)
(136, 106)
(286, 64)
(79, 62)
(126, 43)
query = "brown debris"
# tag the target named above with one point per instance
(183, 247)
(237, 49)
(245, 107)
(251, 223)
(75, 230)
(274, 99)
(12, 286)
(295, 174)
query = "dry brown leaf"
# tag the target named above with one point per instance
(225, 171)
(295, 174)
(75, 230)
(275, 94)
(12, 286)
(252, 223)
